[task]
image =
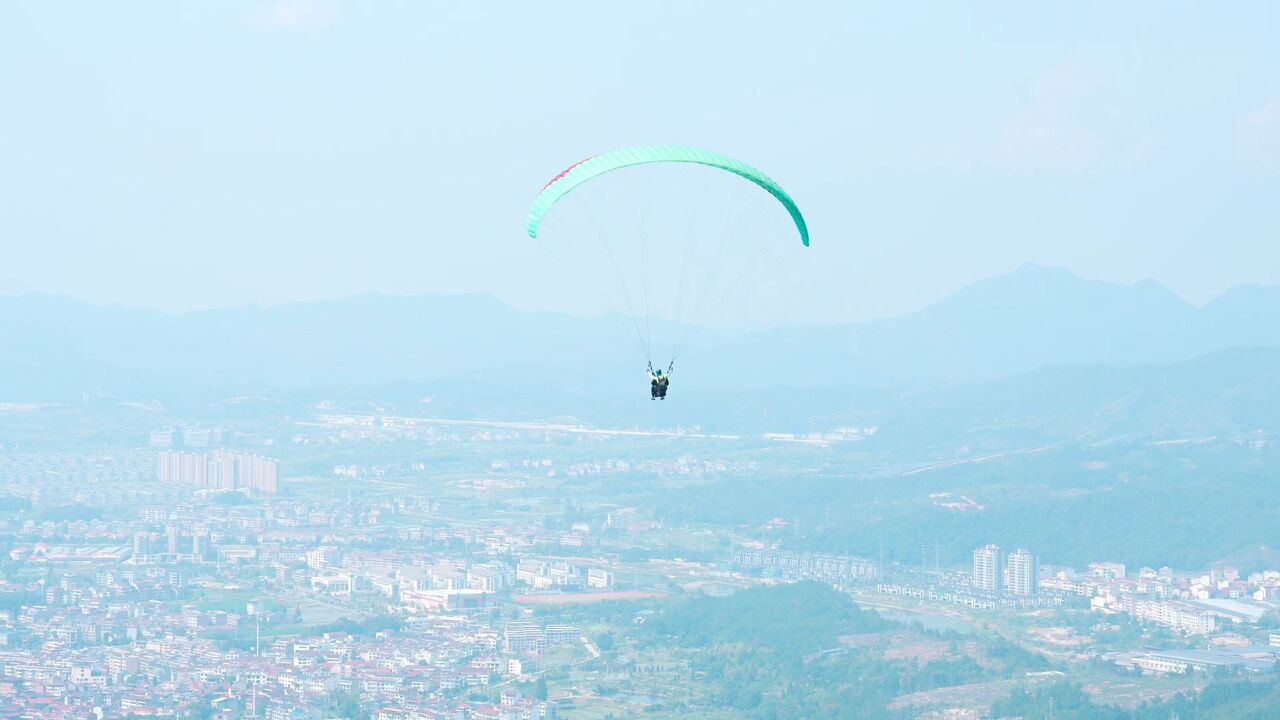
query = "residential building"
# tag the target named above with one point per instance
(1022, 573)
(988, 570)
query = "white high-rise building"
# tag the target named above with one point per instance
(197, 542)
(1023, 575)
(257, 473)
(219, 470)
(988, 568)
(181, 467)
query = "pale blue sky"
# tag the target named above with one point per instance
(187, 155)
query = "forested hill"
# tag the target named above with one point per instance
(789, 620)
(1230, 699)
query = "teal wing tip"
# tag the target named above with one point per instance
(533, 223)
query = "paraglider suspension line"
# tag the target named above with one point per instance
(626, 297)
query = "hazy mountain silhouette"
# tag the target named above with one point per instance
(1233, 393)
(57, 349)
(1014, 323)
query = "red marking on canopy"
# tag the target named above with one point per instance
(564, 172)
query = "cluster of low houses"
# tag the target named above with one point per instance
(437, 667)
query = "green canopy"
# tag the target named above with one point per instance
(581, 172)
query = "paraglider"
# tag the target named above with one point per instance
(658, 381)
(586, 171)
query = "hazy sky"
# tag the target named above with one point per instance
(185, 155)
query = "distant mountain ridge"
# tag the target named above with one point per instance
(57, 349)
(1032, 317)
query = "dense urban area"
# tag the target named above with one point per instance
(366, 565)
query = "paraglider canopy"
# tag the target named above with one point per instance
(583, 171)
(679, 240)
